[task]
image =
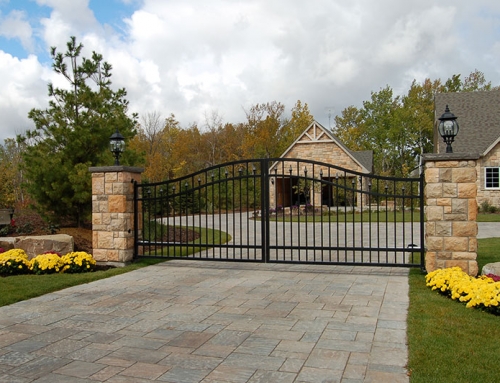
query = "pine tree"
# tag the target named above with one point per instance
(73, 133)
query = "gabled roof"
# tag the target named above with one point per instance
(320, 134)
(478, 120)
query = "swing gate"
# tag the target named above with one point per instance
(282, 210)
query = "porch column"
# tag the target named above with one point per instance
(113, 213)
(451, 211)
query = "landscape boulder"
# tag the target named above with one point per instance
(491, 268)
(7, 243)
(34, 245)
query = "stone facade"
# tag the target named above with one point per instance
(491, 196)
(451, 211)
(327, 152)
(317, 145)
(113, 213)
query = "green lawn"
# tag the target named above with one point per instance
(382, 216)
(389, 216)
(488, 217)
(447, 341)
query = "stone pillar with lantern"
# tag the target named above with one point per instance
(113, 208)
(450, 204)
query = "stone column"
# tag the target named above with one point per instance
(113, 213)
(451, 211)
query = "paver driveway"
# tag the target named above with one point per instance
(195, 321)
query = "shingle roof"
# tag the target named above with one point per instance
(365, 157)
(478, 119)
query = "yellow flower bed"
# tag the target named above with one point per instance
(13, 262)
(482, 292)
(48, 263)
(16, 261)
(78, 262)
(14, 253)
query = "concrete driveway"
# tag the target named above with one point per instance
(196, 321)
(488, 229)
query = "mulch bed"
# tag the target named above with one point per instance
(180, 235)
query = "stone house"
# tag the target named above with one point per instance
(316, 143)
(478, 117)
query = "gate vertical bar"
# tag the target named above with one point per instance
(136, 219)
(264, 199)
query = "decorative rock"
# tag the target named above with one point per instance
(61, 243)
(491, 268)
(7, 243)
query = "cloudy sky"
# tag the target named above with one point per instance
(194, 57)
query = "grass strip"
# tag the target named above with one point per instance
(207, 237)
(341, 217)
(488, 217)
(448, 342)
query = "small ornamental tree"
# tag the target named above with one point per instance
(73, 133)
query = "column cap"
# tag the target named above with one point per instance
(118, 169)
(450, 156)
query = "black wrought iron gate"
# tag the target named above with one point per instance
(282, 210)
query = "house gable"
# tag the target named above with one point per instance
(318, 144)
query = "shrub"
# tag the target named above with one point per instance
(308, 208)
(78, 262)
(8, 229)
(486, 207)
(14, 262)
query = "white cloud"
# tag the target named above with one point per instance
(68, 18)
(188, 58)
(22, 89)
(15, 25)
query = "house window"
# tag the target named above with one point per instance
(492, 178)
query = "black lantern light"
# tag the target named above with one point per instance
(117, 146)
(448, 128)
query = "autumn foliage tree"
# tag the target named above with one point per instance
(11, 177)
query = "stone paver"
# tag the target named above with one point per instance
(195, 321)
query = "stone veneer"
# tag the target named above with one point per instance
(113, 213)
(328, 152)
(451, 211)
(491, 196)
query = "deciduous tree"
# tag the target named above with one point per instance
(264, 128)
(400, 128)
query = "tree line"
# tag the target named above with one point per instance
(171, 151)
(400, 128)
(48, 165)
